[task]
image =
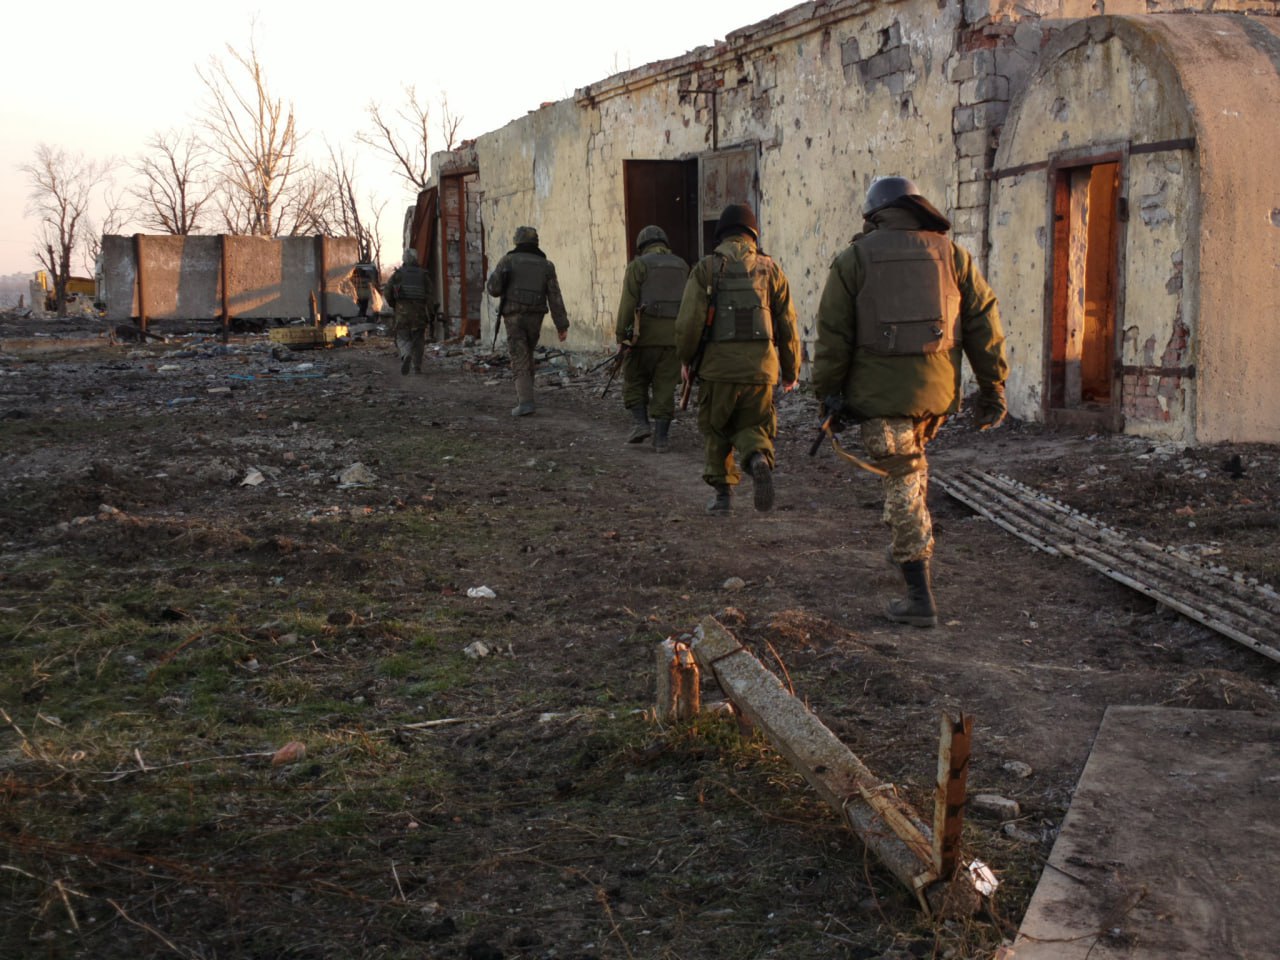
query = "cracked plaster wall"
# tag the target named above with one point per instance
(1201, 261)
(835, 93)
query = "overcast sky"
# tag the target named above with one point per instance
(100, 78)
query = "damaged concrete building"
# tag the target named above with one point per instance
(1115, 168)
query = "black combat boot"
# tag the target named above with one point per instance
(762, 479)
(722, 502)
(404, 366)
(640, 431)
(917, 609)
(660, 443)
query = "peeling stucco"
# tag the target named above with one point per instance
(961, 96)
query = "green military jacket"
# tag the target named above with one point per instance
(739, 361)
(654, 331)
(875, 385)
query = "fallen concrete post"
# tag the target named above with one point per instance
(886, 824)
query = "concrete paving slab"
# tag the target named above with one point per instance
(1171, 847)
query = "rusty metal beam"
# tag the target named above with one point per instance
(954, 748)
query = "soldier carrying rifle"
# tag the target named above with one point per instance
(651, 292)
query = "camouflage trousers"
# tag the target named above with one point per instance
(412, 325)
(897, 444)
(523, 331)
(650, 378)
(734, 416)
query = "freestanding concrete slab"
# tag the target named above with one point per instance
(1171, 847)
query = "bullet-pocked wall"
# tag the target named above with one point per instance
(826, 96)
(1130, 228)
(815, 102)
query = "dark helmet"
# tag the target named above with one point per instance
(651, 234)
(901, 192)
(737, 218)
(525, 235)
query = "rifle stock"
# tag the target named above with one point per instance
(696, 362)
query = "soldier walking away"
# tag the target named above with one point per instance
(651, 291)
(736, 335)
(901, 305)
(364, 276)
(524, 281)
(411, 293)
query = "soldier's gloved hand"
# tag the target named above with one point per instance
(833, 407)
(991, 409)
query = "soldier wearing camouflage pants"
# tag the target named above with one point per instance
(901, 306)
(525, 283)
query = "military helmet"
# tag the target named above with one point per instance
(525, 235)
(411, 255)
(737, 218)
(887, 191)
(901, 192)
(651, 234)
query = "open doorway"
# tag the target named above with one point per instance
(685, 197)
(1083, 387)
(663, 193)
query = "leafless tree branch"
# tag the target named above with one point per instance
(62, 186)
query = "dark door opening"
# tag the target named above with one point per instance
(1083, 323)
(663, 193)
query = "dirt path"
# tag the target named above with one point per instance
(545, 815)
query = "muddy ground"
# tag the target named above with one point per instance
(189, 581)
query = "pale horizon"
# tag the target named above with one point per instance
(100, 79)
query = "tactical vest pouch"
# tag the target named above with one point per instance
(412, 284)
(526, 285)
(742, 304)
(910, 305)
(663, 286)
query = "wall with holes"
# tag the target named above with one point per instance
(833, 94)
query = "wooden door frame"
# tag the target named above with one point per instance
(1111, 418)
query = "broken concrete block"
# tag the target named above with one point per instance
(993, 806)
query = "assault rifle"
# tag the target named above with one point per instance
(617, 360)
(713, 292)
(833, 424)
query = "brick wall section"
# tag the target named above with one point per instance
(993, 58)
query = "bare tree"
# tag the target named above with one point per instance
(174, 183)
(113, 221)
(411, 151)
(62, 186)
(343, 214)
(449, 124)
(257, 138)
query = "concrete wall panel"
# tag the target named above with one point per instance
(267, 278)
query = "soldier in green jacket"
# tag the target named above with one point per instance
(524, 281)
(738, 352)
(651, 291)
(901, 306)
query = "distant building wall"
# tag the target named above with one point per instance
(181, 278)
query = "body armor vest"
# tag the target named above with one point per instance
(663, 286)
(527, 282)
(742, 300)
(909, 304)
(411, 284)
